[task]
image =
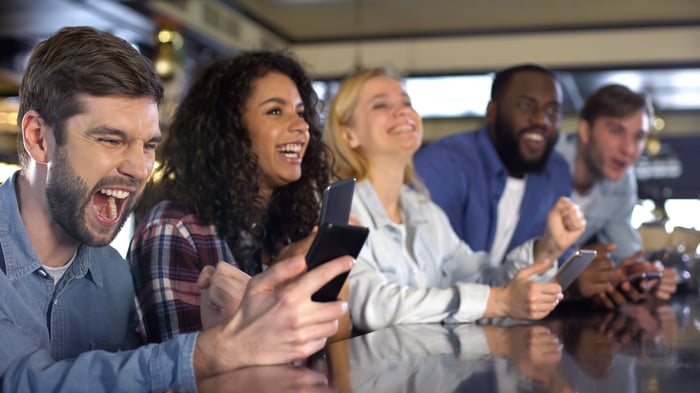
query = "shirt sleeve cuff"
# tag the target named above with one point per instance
(472, 302)
(174, 358)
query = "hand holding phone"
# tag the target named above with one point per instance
(640, 282)
(334, 241)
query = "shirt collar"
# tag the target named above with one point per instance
(568, 148)
(18, 252)
(489, 155)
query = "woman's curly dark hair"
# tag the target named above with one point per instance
(208, 163)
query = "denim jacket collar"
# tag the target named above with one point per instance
(19, 256)
(489, 156)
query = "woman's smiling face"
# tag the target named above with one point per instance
(274, 118)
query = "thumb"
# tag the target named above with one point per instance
(535, 268)
(277, 274)
(204, 279)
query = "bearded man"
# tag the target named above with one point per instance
(496, 184)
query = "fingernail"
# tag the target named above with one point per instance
(345, 306)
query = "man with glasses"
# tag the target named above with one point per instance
(498, 183)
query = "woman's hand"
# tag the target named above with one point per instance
(523, 298)
(221, 291)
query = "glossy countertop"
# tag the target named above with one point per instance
(638, 348)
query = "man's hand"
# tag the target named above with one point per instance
(668, 284)
(565, 223)
(221, 291)
(277, 322)
(523, 298)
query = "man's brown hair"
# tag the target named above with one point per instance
(81, 60)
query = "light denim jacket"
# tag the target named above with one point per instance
(383, 285)
(51, 334)
(610, 220)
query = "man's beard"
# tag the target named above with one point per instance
(68, 198)
(508, 147)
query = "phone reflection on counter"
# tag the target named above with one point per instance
(632, 349)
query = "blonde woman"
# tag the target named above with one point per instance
(413, 267)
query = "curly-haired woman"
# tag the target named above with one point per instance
(243, 168)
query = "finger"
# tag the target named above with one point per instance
(605, 301)
(225, 293)
(316, 332)
(535, 268)
(204, 279)
(313, 280)
(353, 220)
(225, 269)
(617, 297)
(276, 275)
(322, 312)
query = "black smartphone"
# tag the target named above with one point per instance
(638, 280)
(337, 202)
(573, 266)
(333, 241)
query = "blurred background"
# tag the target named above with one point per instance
(448, 49)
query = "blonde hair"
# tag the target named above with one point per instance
(350, 162)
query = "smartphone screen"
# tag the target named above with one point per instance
(333, 241)
(337, 202)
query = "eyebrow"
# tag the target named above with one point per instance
(280, 101)
(103, 131)
(384, 95)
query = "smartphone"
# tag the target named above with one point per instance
(337, 202)
(637, 280)
(573, 266)
(333, 241)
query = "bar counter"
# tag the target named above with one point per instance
(638, 348)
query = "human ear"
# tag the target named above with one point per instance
(491, 111)
(584, 131)
(350, 137)
(34, 136)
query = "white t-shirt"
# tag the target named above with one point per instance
(57, 272)
(508, 216)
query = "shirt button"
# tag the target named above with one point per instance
(42, 273)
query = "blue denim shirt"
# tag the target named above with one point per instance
(384, 285)
(51, 334)
(466, 178)
(610, 218)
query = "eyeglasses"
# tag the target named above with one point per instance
(530, 108)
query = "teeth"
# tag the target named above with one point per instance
(403, 128)
(119, 194)
(534, 137)
(112, 201)
(290, 147)
(290, 150)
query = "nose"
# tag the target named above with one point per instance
(630, 145)
(137, 162)
(539, 117)
(299, 125)
(402, 110)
